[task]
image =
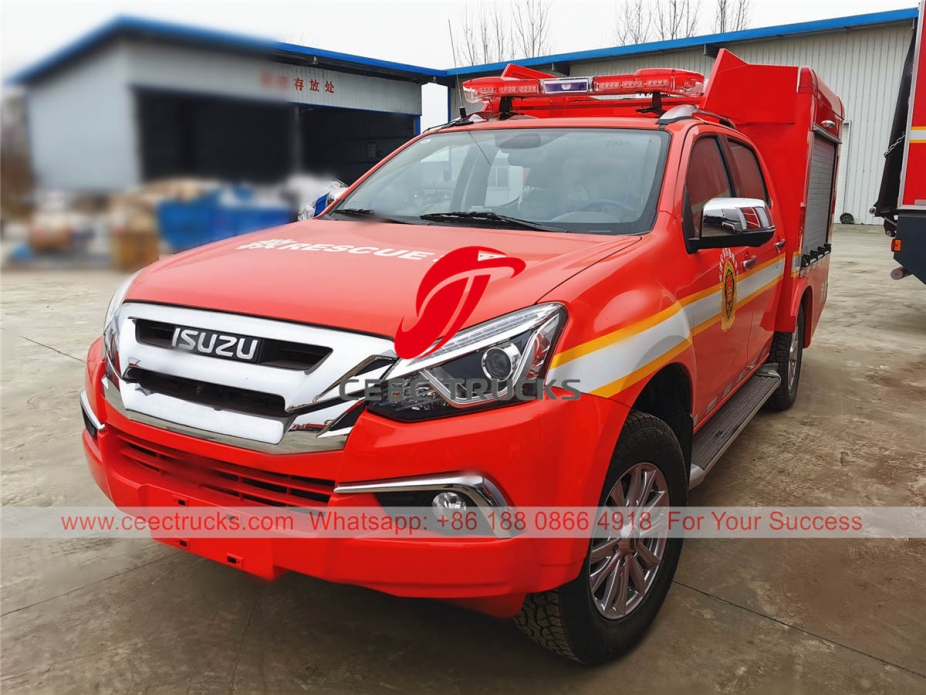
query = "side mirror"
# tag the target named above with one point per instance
(327, 199)
(731, 222)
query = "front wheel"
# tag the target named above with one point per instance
(626, 576)
(788, 351)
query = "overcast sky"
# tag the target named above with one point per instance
(408, 32)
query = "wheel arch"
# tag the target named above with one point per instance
(668, 395)
(806, 303)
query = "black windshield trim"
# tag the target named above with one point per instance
(490, 218)
(371, 215)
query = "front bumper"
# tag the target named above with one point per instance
(544, 453)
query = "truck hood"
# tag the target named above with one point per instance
(361, 276)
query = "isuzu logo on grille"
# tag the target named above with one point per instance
(226, 345)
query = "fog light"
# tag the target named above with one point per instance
(499, 362)
(445, 503)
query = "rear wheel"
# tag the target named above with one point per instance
(788, 351)
(626, 576)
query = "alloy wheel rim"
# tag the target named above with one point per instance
(792, 360)
(623, 566)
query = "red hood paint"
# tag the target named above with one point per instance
(354, 288)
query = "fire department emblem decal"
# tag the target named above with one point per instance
(728, 289)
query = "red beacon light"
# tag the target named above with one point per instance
(647, 81)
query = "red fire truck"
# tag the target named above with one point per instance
(633, 263)
(902, 199)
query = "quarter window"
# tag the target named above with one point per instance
(748, 175)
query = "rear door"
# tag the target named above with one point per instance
(759, 284)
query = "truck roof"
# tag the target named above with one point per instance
(567, 122)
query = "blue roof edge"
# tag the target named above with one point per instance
(815, 26)
(171, 30)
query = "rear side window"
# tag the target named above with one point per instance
(746, 172)
(707, 176)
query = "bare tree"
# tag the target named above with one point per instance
(531, 22)
(731, 15)
(486, 35)
(632, 25)
(492, 33)
(676, 19)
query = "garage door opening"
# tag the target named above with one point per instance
(346, 142)
(244, 141)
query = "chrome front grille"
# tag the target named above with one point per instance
(204, 393)
(273, 353)
(288, 400)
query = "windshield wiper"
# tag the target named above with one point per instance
(486, 216)
(365, 213)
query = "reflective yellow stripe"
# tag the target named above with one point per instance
(610, 338)
(623, 333)
(765, 265)
(617, 386)
(692, 298)
(759, 291)
(704, 326)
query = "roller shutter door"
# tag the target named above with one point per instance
(820, 194)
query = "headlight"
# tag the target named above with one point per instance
(118, 298)
(498, 362)
(111, 330)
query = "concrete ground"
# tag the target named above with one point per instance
(795, 616)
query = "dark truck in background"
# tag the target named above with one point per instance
(902, 198)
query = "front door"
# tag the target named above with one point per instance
(720, 334)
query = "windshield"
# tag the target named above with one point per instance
(578, 180)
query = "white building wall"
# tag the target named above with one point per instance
(863, 67)
(81, 125)
(82, 121)
(204, 71)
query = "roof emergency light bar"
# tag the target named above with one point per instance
(519, 82)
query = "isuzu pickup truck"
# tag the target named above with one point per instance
(576, 297)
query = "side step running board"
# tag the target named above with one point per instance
(718, 434)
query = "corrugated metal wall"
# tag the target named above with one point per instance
(862, 66)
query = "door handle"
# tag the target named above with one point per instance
(751, 261)
(779, 245)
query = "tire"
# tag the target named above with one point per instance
(789, 364)
(570, 620)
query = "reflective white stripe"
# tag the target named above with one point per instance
(703, 310)
(624, 357)
(917, 135)
(619, 360)
(751, 284)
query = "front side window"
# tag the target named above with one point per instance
(707, 176)
(576, 180)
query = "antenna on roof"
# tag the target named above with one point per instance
(456, 67)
